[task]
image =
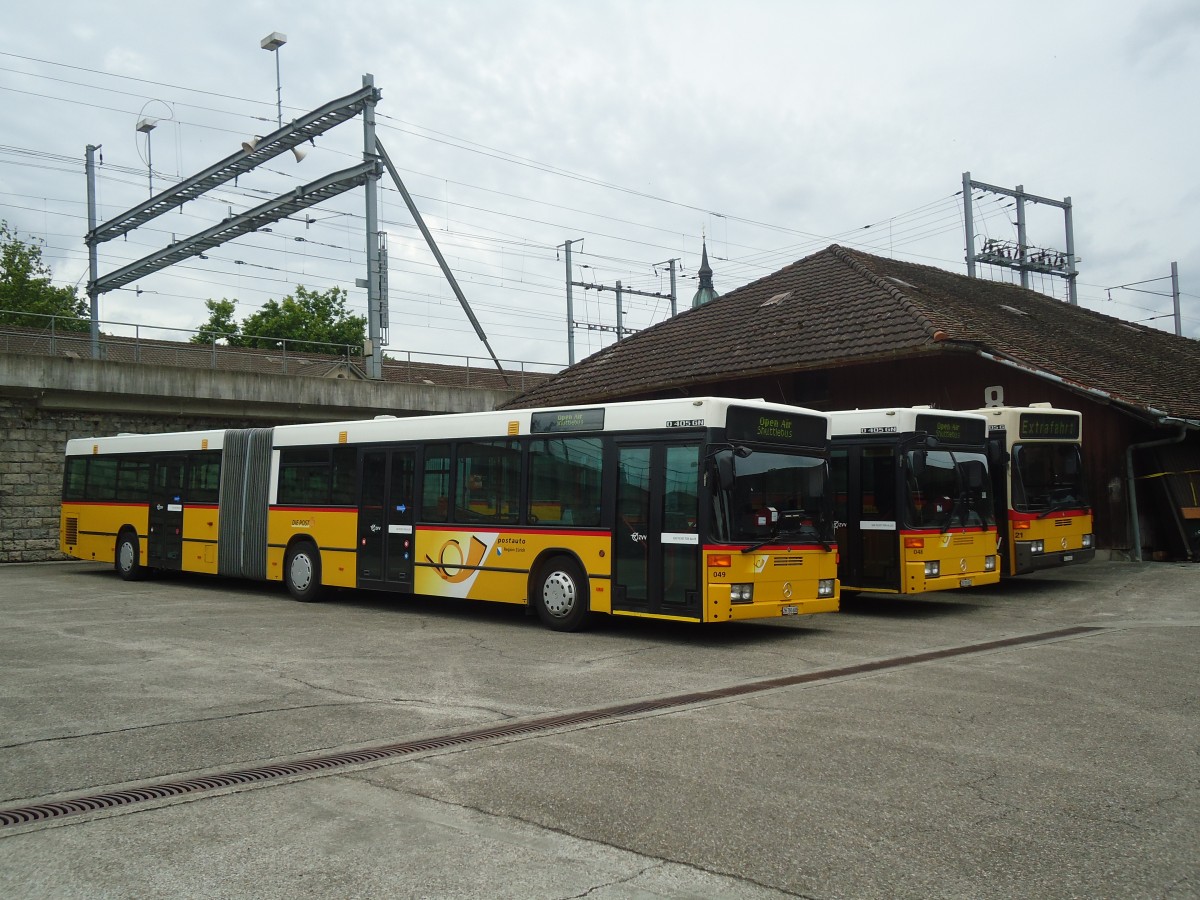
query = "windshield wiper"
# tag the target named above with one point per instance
(1061, 505)
(789, 533)
(949, 520)
(973, 504)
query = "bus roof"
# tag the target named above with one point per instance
(889, 420)
(645, 415)
(141, 443)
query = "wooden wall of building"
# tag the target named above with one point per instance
(950, 380)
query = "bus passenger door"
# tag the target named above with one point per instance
(385, 520)
(164, 543)
(878, 522)
(869, 539)
(656, 552)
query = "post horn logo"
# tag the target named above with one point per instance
(455, 566)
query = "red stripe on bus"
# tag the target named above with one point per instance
(1014, 516)
(972, 529)
(517, 529)
(738, 548)
(135, 503)
(140, 504)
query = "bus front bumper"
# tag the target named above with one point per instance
(720, 609)
(918, 583)
(1028, 561)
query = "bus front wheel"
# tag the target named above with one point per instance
(560, 595)
(128, 561)
(302, 573)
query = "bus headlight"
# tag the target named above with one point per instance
(989, 564)
(741, 593)
(1089, 541)
(1037, 546)
(933, 569)
(825, 587)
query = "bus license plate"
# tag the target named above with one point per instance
(790, 611)
(965, 582)
(1068, 558)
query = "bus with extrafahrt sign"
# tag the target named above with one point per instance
(1039, 487)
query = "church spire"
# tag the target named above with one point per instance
(705, 293)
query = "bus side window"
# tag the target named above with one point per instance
(345, 475)
(204, 477)
(75, 479)
(564, 481)
(489, 477)
(435, 484)
(102, 478)
(133, 480)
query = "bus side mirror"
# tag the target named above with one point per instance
(1071, 465)
(975, 479)
(997, 455)
(725, 471)
(816, 481)
(918, 462)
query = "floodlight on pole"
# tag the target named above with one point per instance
(145, 126)
(273, 42)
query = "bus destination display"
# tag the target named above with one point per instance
(957, 430)
(1045, 426)
(563, 420)
(777, 427)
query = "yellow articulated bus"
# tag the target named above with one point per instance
(1039, 486)
(913, 500)
(699, 510)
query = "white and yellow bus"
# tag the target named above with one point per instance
(700, 510)
(1040, 490)
(913, 500)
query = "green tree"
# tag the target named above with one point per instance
(220, 325)
(26, 295)
(319, 319)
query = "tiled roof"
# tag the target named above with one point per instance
(840, 307)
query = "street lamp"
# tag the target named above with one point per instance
(273, 42)
(145, 126)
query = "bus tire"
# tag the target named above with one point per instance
(302, 572)
(560, 594)
(128, 557)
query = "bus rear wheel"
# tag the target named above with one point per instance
(302, 573)
(560, 595)
(128, 561)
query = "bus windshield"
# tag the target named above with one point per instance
(1047, 477)
(771, 494)
(947, 488)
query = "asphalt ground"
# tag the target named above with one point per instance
(869, 764)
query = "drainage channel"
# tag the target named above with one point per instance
(41, 812)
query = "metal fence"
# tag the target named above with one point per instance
(129, 342)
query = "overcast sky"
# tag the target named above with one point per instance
(773, 128)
